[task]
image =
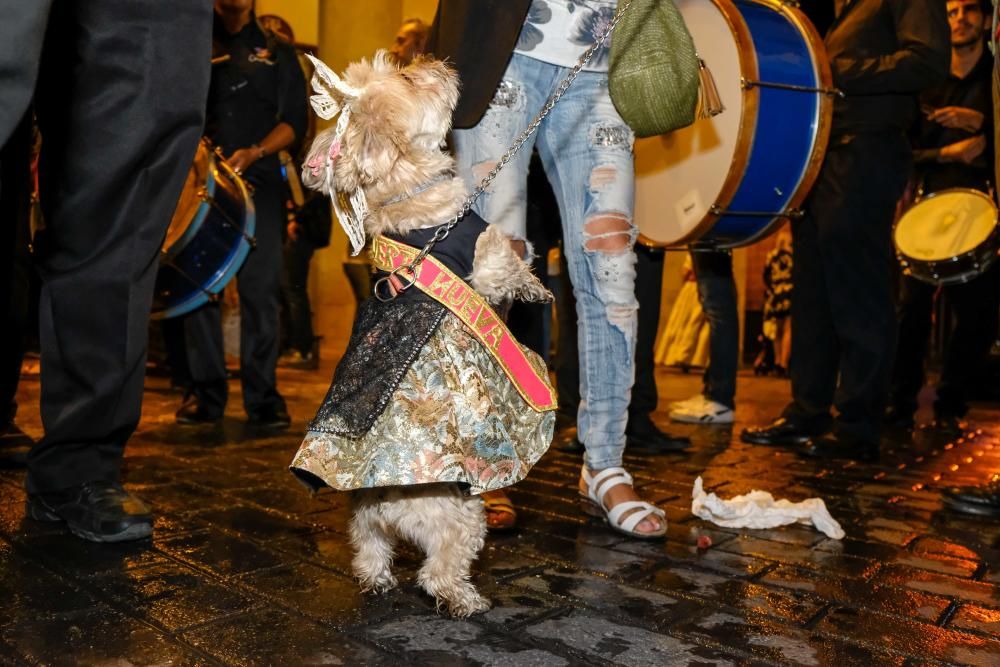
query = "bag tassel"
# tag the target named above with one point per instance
(709, 102)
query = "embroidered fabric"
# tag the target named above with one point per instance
(386, 338)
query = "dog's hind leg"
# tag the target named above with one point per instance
(373, 544)
(451, 544)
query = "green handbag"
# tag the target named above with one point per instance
(656, 79)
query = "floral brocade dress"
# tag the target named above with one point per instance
(417, 399)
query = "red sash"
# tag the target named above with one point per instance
(438, 282)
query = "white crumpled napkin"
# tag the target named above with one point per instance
(759, 509)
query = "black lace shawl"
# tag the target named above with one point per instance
(388, 336)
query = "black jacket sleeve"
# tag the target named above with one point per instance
(922, 59)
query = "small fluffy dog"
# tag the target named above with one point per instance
(452, 426)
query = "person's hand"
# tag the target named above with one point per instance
(294, 229)
(241, 159)
(960, 118)
(965, 151)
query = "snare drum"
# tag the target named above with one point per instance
(727, 181)
(948, 237)
(209, 236)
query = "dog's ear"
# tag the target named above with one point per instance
(432, 77)
(378, 138)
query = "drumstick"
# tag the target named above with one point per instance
(221, 59)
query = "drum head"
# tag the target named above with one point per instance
(191, 196)
(945, 225)
(679, 176)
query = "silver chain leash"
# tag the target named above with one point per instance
(442, 232)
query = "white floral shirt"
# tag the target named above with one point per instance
(560, 31)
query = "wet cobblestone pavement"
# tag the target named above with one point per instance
(246, 568)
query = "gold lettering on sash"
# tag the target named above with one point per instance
(457, 295)
(471, 308)
(440, 285)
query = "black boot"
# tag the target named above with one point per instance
(97, 511)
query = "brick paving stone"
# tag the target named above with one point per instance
(765, 640)
(939, 547)
(843, 591)
(788, 554)
(911, 638)
(961, 590)
(274, 637)
(88, 637)
(594, 637)
(174, 596)
(976, 619)
(224, 554)
(440, 641)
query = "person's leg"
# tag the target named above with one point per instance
(815, 351)
(648, 287)
(916, 301)
(295, 286)
(259, 284)
(858, 257)
(22, 34)
(15, 215)
(206, 358)
(717, 291)
(115, 157)
(975, 305)
(587, 152)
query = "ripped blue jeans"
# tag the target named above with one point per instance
(586, 150)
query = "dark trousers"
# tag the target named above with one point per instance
(843, 316)
(975, 307)
(295, 289)
(648, 290)
(713, 271)
(259, 285)
(15, 287)
(115, 155)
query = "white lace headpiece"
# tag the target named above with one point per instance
(324, 82)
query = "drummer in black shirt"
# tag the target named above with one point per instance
(256, 107)
(883, 54)
(953, 149)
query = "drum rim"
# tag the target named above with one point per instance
(203, 208)
(908, 261)
(824, 118)
(747, 55)
(748, 125)
(227, 271)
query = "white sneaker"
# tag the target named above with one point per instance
(689, 403)
(707, 412)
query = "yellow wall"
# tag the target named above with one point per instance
(302, 15)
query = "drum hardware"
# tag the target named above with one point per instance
(794, 214)
(166, 261)
(229, 222)
(832, 92)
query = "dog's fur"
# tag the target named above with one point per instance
(393, 145)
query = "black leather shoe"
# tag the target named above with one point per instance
(979, 500)
(571, 446)
(95, 511)
(192, 413)
(274, 418)
(779, 433)
(834, 446)
(946, 425)
(642, 436)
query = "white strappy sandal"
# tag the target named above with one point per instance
(593, 504)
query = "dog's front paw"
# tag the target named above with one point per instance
(534, 292)
(381, 583)
(464, 604)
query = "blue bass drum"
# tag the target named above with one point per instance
(209, 237)
(727, 181)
